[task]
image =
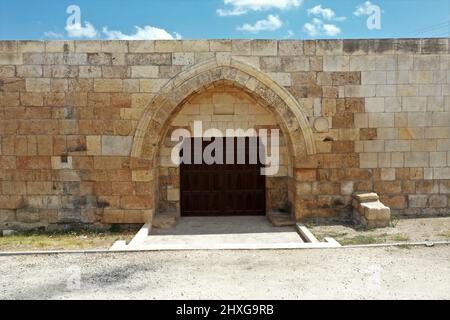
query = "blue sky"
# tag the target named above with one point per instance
(198, 19)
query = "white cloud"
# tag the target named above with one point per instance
(240, 7)
(76, 30)
(316, 27)
(325, 13)
(289, 34)
(144, 33)
(52, 34)
(230, 12)
(271, 23)
(311, 28)
(364, 9)
(177, 35)
(331, 29)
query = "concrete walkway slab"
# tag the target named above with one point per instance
(221, 225)
(222, 233)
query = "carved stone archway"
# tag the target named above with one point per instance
(168, 102)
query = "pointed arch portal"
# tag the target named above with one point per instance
(169, 101)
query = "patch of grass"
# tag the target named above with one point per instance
(363, 239)
(363, 228)
(399, 237)
(336, 235)
(60, 240)
(394, 220)
(405, 246)
(445, 234)
(114, 228)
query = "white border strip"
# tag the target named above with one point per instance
(306, 234)
(140, 236)
(50, 252)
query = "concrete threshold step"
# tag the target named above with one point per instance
(190, 236)
(250, 241)
(234, 246)
(281, 219)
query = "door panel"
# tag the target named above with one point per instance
(222, 189)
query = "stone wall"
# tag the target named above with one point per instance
(72, 113)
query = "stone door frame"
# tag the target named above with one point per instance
(168, 102)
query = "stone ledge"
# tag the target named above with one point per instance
(366, 197)
(236, 46)
(280, 219)
(164, 220)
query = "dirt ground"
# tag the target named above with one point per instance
(341, 273)
(403, 230)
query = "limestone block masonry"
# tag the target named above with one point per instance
(83, 124)
(369, 211)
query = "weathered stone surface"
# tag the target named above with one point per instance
(293, 64)
(264, 47)
(182, 58)
(281, 219)
(120, 216)
(221, 45)
(290, 48)
(359, 46)
(165, 220)
(356, 116)
(335, 63)
(195, 45)
(321, 124)
(114, 46)
(38, 85)
(417, 201)
(120, 72)
(144, 71)
(110, 85)
(375, 210)
(143, 46)
(368, 210)
(366, 197)
(142, 175)
(143, 59)
(152, 85)
(116, 145)
(329, 47)
(60, 46)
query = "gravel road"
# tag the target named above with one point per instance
(350, 273)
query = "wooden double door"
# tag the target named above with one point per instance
(223, 189)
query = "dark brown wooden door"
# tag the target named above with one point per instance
(222, 189)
